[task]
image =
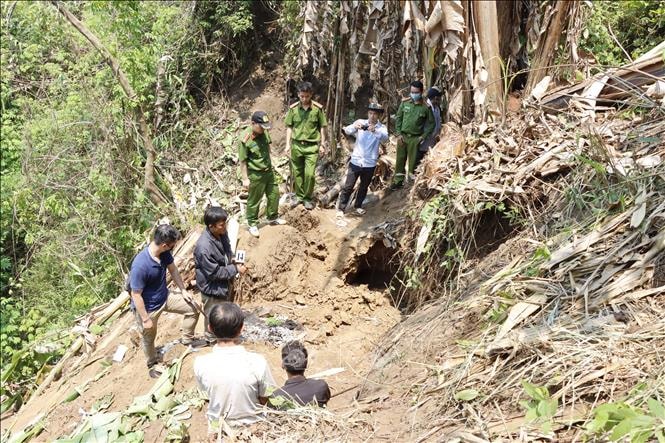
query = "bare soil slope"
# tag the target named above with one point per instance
(302, 271)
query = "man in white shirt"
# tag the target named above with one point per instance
(369, 133)
(238, 382)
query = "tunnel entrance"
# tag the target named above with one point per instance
(375, 268)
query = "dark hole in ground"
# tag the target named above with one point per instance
(375, 268)
(494, 228)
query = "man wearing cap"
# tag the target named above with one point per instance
(434, 95)
(414, 123)
(257, 173)
(298, 389)
(305, 140)
(369, 133)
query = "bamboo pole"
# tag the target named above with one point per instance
(118, 303)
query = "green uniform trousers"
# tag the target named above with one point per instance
(407, 149)
(260, 184)
(303, 167)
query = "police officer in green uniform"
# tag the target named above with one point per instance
(414, 122)
(305, 140)
(257, 173)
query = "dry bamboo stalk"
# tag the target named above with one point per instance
(488, 36)
(118, 303)
(546, 51)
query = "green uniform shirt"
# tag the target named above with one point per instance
(414, 119)
(306, 124)
(255, 150)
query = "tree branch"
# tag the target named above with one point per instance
(156, 196)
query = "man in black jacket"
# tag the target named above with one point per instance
(213, 260)
(298, 389)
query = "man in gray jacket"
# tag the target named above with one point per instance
(213, 261)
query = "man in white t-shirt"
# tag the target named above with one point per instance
(237, 382)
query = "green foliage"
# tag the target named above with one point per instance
(620, 421)
(499, 310)
(541, 408)
(291, 20)
(540, 255)
(638, 25)
(219, 49)
(466, 395)
(511, 213)
(273, 322)
(282, 403)
(20, 329)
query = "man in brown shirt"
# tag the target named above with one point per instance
(299, 389)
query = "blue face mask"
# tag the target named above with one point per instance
(416, 97)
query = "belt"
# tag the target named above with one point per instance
(306, 142)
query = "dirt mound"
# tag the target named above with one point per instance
(302, 219)
(312, 265)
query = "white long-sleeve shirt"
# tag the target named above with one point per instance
(366, 148)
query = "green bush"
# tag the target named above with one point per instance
(638, 25)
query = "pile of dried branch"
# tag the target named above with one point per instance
(571, 303)
(306, 424)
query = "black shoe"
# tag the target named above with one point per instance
(155, 371)
(195, 343)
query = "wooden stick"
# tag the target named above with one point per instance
(118, 303)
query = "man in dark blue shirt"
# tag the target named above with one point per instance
(150, 296)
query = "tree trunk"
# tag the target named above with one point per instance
(546, 51)
(149, 185)
(486, 26)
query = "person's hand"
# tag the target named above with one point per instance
(241, 268)
(358, 125)
(147, 323)
(382, 150)
(371, 127)
(245, 183)
(400, 139)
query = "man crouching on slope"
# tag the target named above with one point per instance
(150, 296)
(236, 381)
